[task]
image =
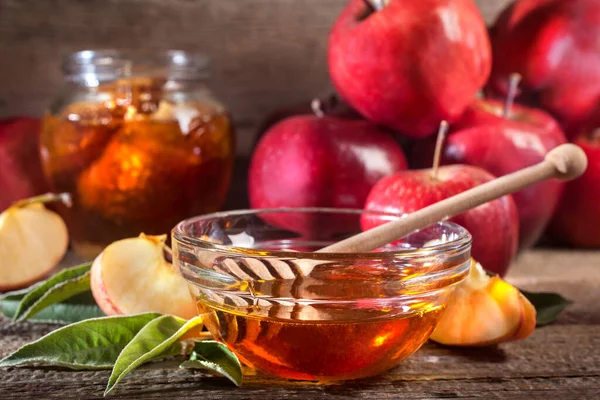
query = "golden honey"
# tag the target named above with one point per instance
(314, 315)
(337, 323)
(136, 161)
(321, 350)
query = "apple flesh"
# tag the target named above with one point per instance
(33, 240)
(577, 219)
(131, 276)
(21, 174)
(553, 45)
(310, 161)
(411, 64)
(483, 311)
(483, 137)
(494, 226)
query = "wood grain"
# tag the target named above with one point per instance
(266, 53)
(560, 361)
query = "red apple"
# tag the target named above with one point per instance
(577, 219)
(501, 145)
(310, 161)
(553, 44)
(494, 225)
(21, 174)
(330, 105)
(411, 64)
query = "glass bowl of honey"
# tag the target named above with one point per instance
(139, 141)
(289, 311)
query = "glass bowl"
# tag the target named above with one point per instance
(289, 312)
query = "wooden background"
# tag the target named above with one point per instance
(266, 53)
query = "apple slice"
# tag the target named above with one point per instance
(33, 240)
(485, 310)
(131, 276)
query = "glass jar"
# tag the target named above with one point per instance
(139, 142)
(297, 314)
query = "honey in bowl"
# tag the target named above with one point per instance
(321, 349)
(138, 153)
(316, 316)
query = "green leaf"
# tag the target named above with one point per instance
(15, 296)
(158, 339)
(77, 308)
(57, 288)
(548, 306)
(90, 344)
(215, 357)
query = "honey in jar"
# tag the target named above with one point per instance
(139, 143)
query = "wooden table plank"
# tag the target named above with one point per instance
(561, 361)
(558, 361)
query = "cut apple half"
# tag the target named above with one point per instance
(484, 310)
(33, 240)
(132, 276)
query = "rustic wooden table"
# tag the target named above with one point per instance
(560, 361)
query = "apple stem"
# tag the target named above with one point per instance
(376, 5)
(442, 131)
(513, 87)
(64, 198)
(317, 108)
(168, 252)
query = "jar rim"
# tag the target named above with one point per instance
(93, 66)
(460, 243)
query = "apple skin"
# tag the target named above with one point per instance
(553, 45)
(577, 219)
(310, 161)
(99, 291)
(412, 64)
(494, 225)
(331, 105)
(485, 139)
(21, 174)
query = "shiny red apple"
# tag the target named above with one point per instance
(411, 64)
(311, 161)
(554, 45)
(494, 225)
(577, 219)
(21, 174)
(330, 105)
(485, 138)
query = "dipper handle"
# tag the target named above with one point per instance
(565, 162)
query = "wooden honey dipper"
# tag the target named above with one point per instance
(565, 162)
